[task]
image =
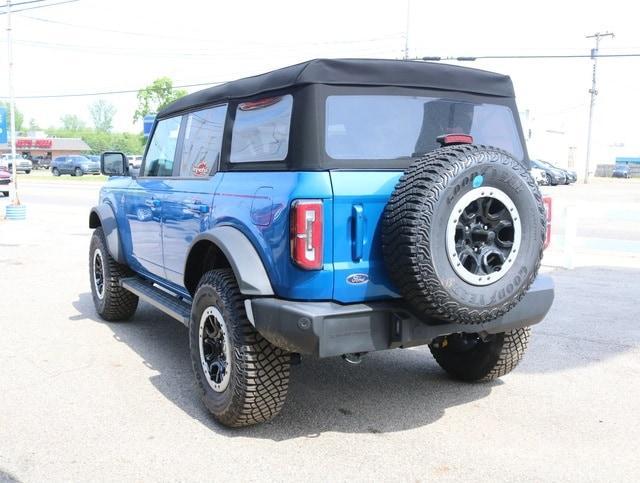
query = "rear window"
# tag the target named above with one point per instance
(261, 130)
(395, 127)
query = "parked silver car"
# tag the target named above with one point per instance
(22, 164)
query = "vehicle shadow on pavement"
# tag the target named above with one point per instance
(389, 391)
(592, 319)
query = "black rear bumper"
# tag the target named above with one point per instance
(327, 329)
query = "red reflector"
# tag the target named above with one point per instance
(449, 139)
(260, 103)
(546, 201)
(306, 234)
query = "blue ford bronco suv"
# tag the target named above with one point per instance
(334, 207)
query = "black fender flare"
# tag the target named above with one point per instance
(245, 262)
(103, 215)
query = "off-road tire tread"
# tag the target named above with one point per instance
(260, 390)
(407, 220)
(514, 345)
(119, 303)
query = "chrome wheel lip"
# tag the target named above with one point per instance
(217, 315)
(458, 208)
(97, 270)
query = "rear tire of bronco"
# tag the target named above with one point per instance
(112, 302)
(468, 358)
(463, 234)
(243, 377)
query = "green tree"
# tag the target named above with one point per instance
(71, 122)
(100, 141)
(156, 96)
(102, 113)
(19, 116)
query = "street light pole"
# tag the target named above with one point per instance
(594, 92)
(12, 107)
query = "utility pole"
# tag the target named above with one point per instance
(12, 107)
(594, 92)
(406, 32)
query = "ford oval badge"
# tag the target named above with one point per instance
(357, 278)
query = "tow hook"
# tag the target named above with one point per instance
(354, 358)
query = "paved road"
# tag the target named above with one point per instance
(81, 399)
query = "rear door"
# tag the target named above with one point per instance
(389, 131)
(187, 205)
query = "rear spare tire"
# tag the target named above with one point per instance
(463, 234)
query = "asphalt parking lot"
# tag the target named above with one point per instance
(82, 400)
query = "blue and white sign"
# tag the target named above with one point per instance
(147, 124)
(3, 125)
(627, 160)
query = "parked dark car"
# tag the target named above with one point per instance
(572, 176)
(621, 171)
(74, 165)
(41, 162)
(555, 176)
(5, 180)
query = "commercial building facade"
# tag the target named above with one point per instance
(46, 148)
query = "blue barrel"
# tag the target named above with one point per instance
(16, 212)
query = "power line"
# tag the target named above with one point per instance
(37, 6)
(95, 28)
(106, 93)
(525, 57)
(21, 3)
(206, 53)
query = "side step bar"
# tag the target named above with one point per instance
(169, 304)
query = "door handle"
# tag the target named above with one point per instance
(357, 215)
(152, 203)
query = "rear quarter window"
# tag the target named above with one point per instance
(261, 130)
(202, 142)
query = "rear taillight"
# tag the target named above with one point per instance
(306, 234)
(546, 201)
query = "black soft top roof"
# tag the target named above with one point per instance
(356, 72)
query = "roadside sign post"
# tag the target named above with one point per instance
(12, 108)
(147, 124)
(3, 125)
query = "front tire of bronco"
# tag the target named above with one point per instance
(467, 357)
(112, 302)
(243, 377)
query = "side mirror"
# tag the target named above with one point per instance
(114, 164)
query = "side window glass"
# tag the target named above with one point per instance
(162, 148)
(202, 142)
(261, 130)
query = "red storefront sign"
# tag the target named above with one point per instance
(34, 143)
